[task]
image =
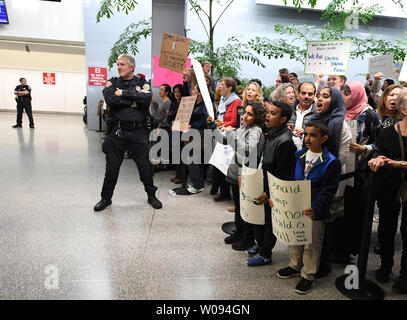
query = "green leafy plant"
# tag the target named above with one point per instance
(129, 39)
(107, 7)
(295, 47)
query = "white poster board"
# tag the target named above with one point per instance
(251, 187)
(329, 57)
(202, 86)
(222, 157)
(403, 72)
(351, 159)
(290, 198)
(382, 64)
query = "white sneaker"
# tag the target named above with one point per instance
(193, 189)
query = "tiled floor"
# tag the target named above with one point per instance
(54, 246)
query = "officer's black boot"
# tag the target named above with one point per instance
(17, 126)
(155, 203)
(102, 204)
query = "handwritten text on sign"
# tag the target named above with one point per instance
(222, 157)
(184, 113)
(329, 57)
(174, 52)
(251, 187)
(382, 64)
(290, 198)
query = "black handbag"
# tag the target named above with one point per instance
(337, 209)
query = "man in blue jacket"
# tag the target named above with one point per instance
(317, 164)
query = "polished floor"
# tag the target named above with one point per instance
(54, 246)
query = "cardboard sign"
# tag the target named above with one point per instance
(97, 76)
(329, 57)
(381, 64)
(185, 109)
(222, 157)
(174, 52)
(169, 77)
(251, 187)
(290, 198)
(48, 78)
(200, 77)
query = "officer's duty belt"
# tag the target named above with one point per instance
(130, 125)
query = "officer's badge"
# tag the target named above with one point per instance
(138, 88)
(108, 84)
(146, 87)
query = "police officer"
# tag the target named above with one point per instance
(23, 98)
(129, 98)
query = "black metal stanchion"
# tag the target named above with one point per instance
(367, 290)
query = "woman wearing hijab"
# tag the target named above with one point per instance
(330, 109)
(368, 128)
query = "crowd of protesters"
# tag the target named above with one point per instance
(301, 132)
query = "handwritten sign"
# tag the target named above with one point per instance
(184, 113)
(222, 157)
(403, 72)
(381, 64)
(398, 65)
(174, 52)
(251, 187)
(202, 86)
(329, 57)
(290, 198)
(162, 76)
(351, 158)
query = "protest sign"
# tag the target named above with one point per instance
(222, 157)
(184, 113)
(174, 52)
(251, 187)
(202, 86)
(351, 159)
(398, 65)
(290, 198)
(382, 64)
(403, 72)
(164, 76)
(329, 57)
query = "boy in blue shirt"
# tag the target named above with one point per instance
(317, 164)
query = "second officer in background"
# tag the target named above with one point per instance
(128, 98)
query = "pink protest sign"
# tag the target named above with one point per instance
(169, 77)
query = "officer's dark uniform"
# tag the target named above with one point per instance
(24, 102)
(130, 114)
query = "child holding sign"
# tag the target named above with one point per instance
(317, 164)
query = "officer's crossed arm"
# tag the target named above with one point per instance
(142, 97)
(111, 98)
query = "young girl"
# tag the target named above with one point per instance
(248, 141)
